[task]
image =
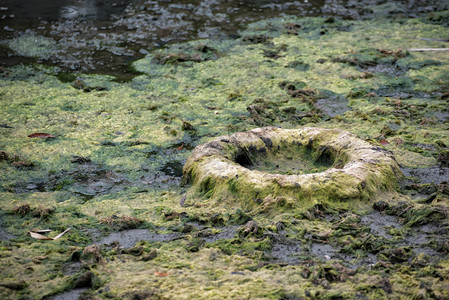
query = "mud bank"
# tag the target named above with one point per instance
(105, 159)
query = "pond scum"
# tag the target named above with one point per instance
(115, 164)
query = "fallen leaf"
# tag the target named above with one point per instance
(36, 234)
(384, 142)
(160, 274)
(41, 135)
(39, 236)
(41, 230)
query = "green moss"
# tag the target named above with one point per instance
(119, 148)
(33, 46)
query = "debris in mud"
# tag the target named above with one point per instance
(92, 255)
(41, 135)
(256, 39)
(151, 255)
(80, 84)
(186, 126)
(250, 228)
(121, 222)
(79, 160)
(37, 234)
(292, 28)
(161, 274)
(40, 211)
(23, 209)
(17, 161)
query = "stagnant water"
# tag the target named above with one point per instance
(105, 36)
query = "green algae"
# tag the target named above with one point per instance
(33, 46)
(119, 147)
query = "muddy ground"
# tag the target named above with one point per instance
(104, 158)
(105, 37)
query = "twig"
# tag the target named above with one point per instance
(427, 49)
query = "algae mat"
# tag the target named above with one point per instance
(105, 159)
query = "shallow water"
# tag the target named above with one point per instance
(105, 37)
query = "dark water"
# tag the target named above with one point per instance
(105, 36)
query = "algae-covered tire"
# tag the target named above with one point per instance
(234, 167)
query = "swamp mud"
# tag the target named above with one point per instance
(105, 158)
(106, 37)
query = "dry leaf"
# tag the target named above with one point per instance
(39, 236)
(41, 135)
(384, 142)
(36, 235)
(41, 230)
(160, 274)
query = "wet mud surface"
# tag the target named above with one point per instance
(434, 174)
(70, 295)
(128, 238)
(4, 235)
(105, 159)
(103, 37)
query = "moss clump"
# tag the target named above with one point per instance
(121, 222)
(229, 167)
(34, 46)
